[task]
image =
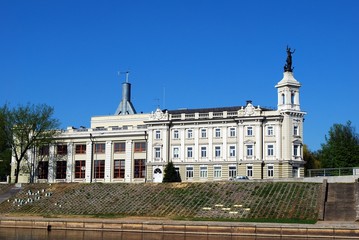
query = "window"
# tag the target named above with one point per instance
(270, 169)
(61, 149)
(217, 132)
(217, 151)
(119, 168)
(249, 131)
(270, 131)
(292, 98)
(189, 172)
(296, 150)
(43, 170)
(157, 153)
(217, 171)
(80, 148)
(203, 151)
(140, 146)
(232, 132)
(175, 134)
(44, 151)
(175, 152)
(99, 168)
(249, 150)
(249, 170)
(295, 131)
(189, 133)
(99, 148)
(203, 171)
(232, 151)
(61, 169)
(139, 168)
(158, 134)
(203, 133)
(270, 150)
(119, 147)
(189, 152)
(283, 98)
(232, 171)
(80, 168)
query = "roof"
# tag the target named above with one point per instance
(206, 110)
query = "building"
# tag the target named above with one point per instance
(205, 144)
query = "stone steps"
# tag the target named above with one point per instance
(340, 204)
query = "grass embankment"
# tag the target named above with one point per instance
(212, 201)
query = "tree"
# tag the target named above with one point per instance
(310, 158)
(171, 175)
(26, 128)
(5, 151)
(341, 148)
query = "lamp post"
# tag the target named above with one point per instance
(92, 145)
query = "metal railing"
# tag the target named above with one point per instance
(333, 172)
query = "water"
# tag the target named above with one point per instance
(43, 234)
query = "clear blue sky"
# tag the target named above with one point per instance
(180, 53)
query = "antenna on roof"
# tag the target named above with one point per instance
(127, 73)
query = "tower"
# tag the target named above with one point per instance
(125, 107)
(293, 118)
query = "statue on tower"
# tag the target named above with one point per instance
(288, 65)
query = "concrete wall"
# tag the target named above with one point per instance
(223, 230)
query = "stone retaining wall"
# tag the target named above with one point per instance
(221, 229)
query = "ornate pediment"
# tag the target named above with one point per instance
(159, 115)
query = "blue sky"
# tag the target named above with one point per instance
(180, 54)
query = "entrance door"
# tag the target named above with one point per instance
(295, 172)
(157, 174)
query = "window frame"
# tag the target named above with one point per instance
(232, 151)
(119, 168)
(119, 147)
(189, 172)
(250, 131)
(203, 171)
(80, 169)
(100, 148)
(232, 132)
(232, 171)
(61, 167)
(203, 151)
(249, 170)
(217, 171)
(139, 168)
(140, 147)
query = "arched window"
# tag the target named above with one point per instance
(283, 98)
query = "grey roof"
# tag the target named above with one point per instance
(206, 110)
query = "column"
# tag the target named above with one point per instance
(129, 161)
(259, 140)
(52, 164)
(89, 162)
(70, 162)
(108, 158)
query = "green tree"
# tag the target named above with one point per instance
(26, 128)
(341, 148)
(5, 151)
(171, 175)
(311, 159)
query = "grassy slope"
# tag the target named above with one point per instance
(218, 201)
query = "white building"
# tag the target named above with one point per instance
(204, 144)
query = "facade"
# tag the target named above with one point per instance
(206, 144)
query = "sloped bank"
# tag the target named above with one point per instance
(215, 201)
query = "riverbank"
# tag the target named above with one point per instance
(224, 230)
